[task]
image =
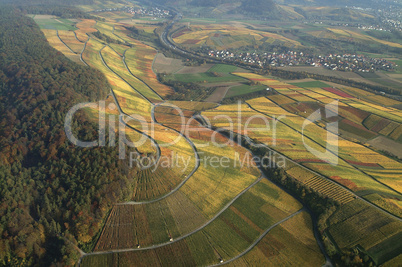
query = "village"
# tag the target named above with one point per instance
(152, 12)
(345, 62)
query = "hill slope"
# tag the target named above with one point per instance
(48, 187)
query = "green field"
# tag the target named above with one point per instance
(222, 68)
(244, 89)
(369, 75)
(55, 24)
(398, 69)
(386, 250)
(311, 84)
(205, 77)
(385, 82)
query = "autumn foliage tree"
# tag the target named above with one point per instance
(49, 188)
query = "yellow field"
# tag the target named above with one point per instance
(281, 200)
(386, 112)
(192, 105)
(213, 185)
(210, 188)
(130, 101)
(119, 48)
(115, 62)
(353, 34)
(355, 158)
(115, 15)
(69, 38)
(85, 26)
(348, 150)
(228, 36)
(286, 245)
(55, 42)
(139, 60)
(107, 29)
(370, 97)
(98, 4)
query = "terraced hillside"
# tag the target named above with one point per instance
(209, 209)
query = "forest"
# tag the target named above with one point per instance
(50, 190)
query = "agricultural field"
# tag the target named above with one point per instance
(354, 163)
(99, 5)
(130, 101)
(154, 182)
(211, 186)
(163, 64)
(192, 105)
(360, 227)
(362, 37)
(71, 41)
(227, 36)
(356, 107)
(243, 90)
(317, 84)
(206, 77)
(320, 184)
(209, 243)
(55, 42)
(221, 68)
(116, 64)
(278, 247)
(85, 27)
(166, 176)
(139, 60)
(49, 22)
(107, 28)
(195, 210)
(149, 185)
(386, 112)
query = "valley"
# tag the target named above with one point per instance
(228, 156)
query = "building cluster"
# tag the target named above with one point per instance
(390, 16)
(393, 24)
(151, 12)
(106, 10)
(345, 62)
(373, 27)
(140, 11)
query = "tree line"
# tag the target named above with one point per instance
(49, 188)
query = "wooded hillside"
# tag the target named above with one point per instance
(48, 187)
